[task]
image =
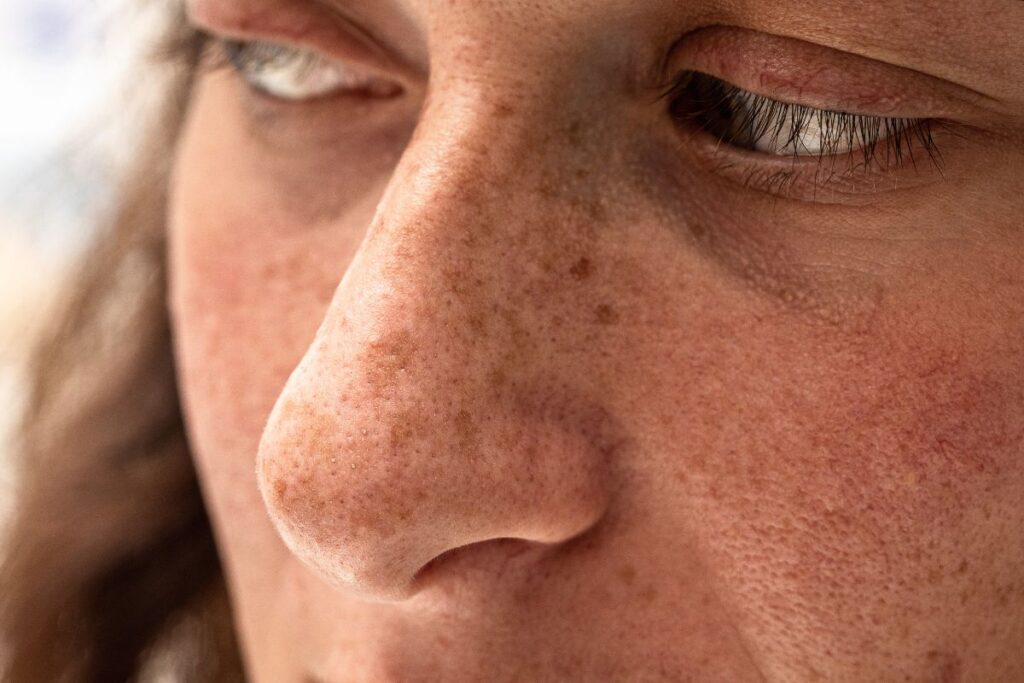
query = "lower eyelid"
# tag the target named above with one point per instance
(839, 179)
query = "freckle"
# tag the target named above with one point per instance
(476, 324)
(387, 356)
(581, 269)
(453, 277)
(627, 574)
(962, 569)
(572, 132)
(466, 430)
(606, 315)
(547, 189)
(503, 109)
(649, 593)
(1004, 594)
(945, 667)
(497, 378)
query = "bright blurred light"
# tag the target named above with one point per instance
(56, 76)
(52, 76)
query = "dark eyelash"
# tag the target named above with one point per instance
(739, 117)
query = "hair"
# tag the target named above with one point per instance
(111, 572)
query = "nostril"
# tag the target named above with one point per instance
(491, 557)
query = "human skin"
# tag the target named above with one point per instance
(734, 431)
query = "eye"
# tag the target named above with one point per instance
(294, 74)
(749, 121)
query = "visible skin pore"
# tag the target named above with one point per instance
(509, 379)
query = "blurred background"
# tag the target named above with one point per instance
(61, 65)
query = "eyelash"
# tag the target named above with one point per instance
(289, 73)
(256, 55)
(750, 121)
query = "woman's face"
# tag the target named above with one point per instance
(543, 342)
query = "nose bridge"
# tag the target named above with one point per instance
(480, 142)
(448, 259)
(425, 416)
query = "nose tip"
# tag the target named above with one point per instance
(377, 502)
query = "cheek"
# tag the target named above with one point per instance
(252, 271)
(880, 478)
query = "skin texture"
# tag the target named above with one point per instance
(507, 378)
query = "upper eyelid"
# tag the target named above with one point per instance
(316, 27)
(812, 74)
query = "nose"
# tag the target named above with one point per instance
(431, 413)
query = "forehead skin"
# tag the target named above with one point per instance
(737, 439)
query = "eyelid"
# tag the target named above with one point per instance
(290, 74)
(743, 119)
(817, 76)
(303, 25)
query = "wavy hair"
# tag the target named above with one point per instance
(111, 572)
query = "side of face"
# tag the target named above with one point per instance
(509, 377)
